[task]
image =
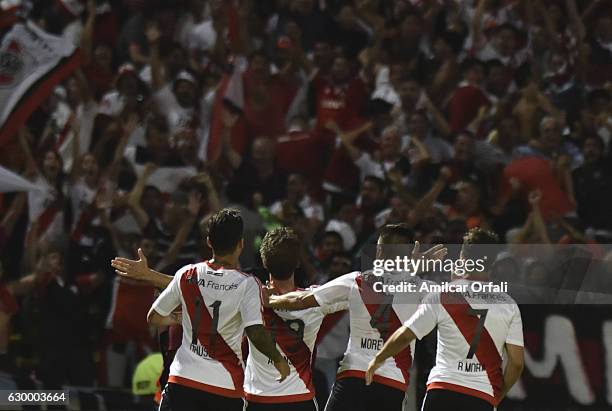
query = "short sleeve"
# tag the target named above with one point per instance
(425, 319)
(515, 332)
(332, 308)
(335, 291)
(170, 298)
(250, 305)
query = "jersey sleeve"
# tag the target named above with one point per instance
(515, 332)
(332, 308)
(170, 298)
(335, 291)
(250, 305)
(425, 318)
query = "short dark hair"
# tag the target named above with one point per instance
(400, 233)
(225, 230)
(280, 252)
(331, 233)
(473, 239)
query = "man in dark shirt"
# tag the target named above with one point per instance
(593, 186)
(258, 180)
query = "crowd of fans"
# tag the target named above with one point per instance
(333, 117)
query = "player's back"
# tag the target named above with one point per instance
(473, 328)
(295, 334)
(217, 304)
(374, 317)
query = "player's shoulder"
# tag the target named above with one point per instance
(345, 278)
(433, 297)
(210, 269)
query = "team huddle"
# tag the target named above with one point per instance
(217, 305)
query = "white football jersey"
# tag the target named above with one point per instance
(217, 304)
(473, 329)
(295, 334)
(374, 317)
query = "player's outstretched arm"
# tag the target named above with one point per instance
(139, 270)
(262, 340)
(400, 339)
(514, 367)
(293, 301)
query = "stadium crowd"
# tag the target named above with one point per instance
(332, 117)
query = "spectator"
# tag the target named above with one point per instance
(592, 186)
(331, 117)
(258, 181)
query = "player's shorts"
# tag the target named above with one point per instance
(177, 397)
(442, 400)
(351, 394)
(287, 406)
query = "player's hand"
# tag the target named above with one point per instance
(372, 367)
(267, 290)
(132, 269)
(283, 368)
(437, 252)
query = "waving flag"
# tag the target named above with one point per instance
(32, 63)
(10, 181)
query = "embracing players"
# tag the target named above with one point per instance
(374, 317)
(474, 331)
(294, 333)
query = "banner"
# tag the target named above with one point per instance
(10, 181)
(32, 63)
(568, 359)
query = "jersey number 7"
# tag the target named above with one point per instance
(482, 316)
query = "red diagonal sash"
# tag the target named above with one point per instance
(221, 351)
(386, 321)
(486, 351)
(291, 344)
(45, 219)
(86, 217)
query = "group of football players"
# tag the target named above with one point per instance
(217, 305)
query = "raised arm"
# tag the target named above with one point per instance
(87, 33)
(226, 149)
(348, 138)
(31, 168)
(437, 118)
(133, 198)
(153, 35)
(430, 198)
(477, 23)
(128, 129)
(575, 20)
(10, 218)
(139, 270)
(75, 168)
(193, 208)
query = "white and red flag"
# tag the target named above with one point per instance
(32, 63)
